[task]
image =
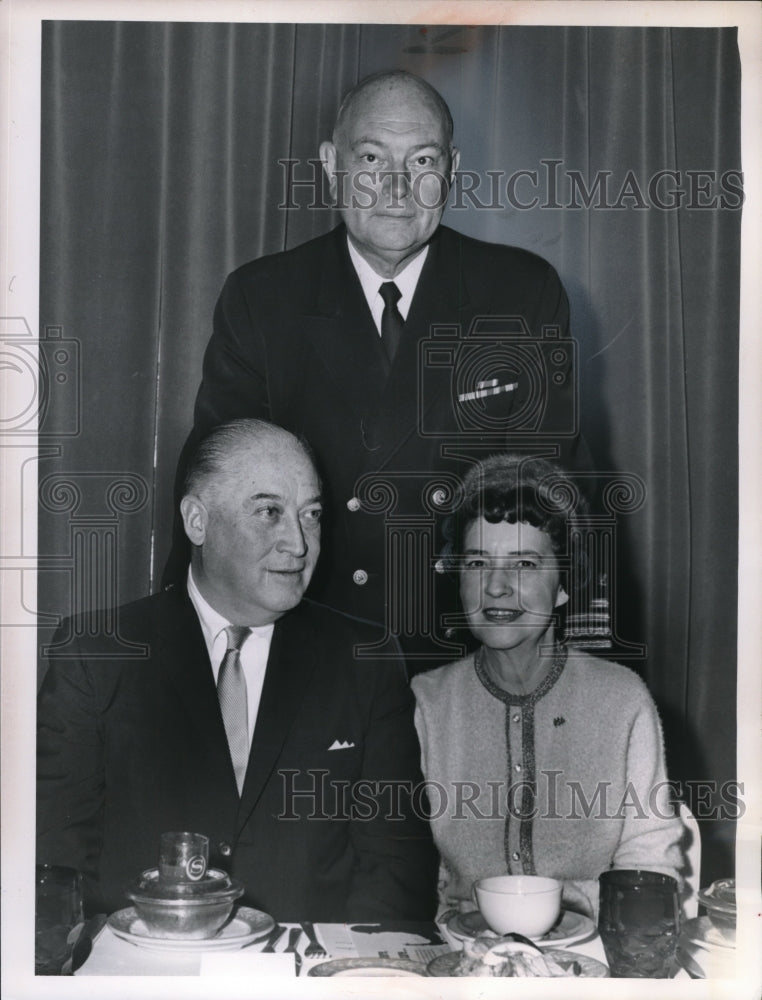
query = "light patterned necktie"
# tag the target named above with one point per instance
(391, 318)
(231, 692)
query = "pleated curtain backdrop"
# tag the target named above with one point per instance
(160, 173)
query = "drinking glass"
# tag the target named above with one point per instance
(58, 918)
(183, 857)
(639, 923)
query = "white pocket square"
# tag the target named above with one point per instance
(340, 745)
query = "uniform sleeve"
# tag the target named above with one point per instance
(234, 385)
(555, 303)
(396, 862)
(561, 415)
(545, 403)
(234, 381)
(70, 772)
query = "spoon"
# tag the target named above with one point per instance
(293, 937)
(520, 939)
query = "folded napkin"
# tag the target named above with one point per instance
(247, 963)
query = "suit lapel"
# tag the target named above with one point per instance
(184, 658)
(342, 330)
(290, 666)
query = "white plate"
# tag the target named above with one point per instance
(571, 928)
(702, 931)
(369, 967)
(703, 952)
(590, 968)
(246, 926)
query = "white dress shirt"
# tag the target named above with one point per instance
(254, 650)
(406, 281)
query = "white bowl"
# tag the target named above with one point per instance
(519, 904)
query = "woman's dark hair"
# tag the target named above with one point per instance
(516, 488)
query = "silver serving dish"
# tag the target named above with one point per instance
(184, 910)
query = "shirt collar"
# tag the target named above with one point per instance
(406, 280)
(212, 622)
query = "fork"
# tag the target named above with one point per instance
(273, 937)
(314, 949)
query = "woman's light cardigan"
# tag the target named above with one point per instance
(566, 781)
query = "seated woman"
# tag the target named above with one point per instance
(541, 760)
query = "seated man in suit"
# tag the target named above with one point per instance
(244, 715)
(402, 349)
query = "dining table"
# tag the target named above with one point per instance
(398, 945)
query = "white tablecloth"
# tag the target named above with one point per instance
(112, 956)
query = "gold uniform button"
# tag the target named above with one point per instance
(353, 504)
(360, 577)
(225, 849)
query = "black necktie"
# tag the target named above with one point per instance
(391, 319)
(231, 692)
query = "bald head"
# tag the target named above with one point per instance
(391, 86)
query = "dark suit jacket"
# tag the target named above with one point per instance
(294, 342)
(131, 747)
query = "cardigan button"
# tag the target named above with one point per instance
(516, 856)
(517, 717)
(517, 767)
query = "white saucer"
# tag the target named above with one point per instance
(702, 931)
(246, 926)
(572, 927)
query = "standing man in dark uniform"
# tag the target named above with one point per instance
(402, 350)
